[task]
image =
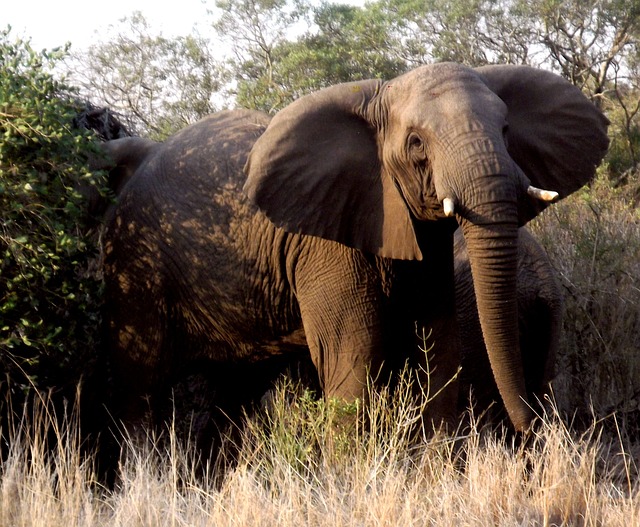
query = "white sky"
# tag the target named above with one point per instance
(52, 23)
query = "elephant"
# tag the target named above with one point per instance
(134, 150)
(540, 309)
(328, 229)
(385, 167)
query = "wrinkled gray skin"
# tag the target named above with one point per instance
(354, 177)
(539, 299)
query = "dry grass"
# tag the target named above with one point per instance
(303, 462)
(298, 467)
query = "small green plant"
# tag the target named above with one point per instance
(49, 297)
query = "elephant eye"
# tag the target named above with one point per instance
(505, 134)
(415, 146)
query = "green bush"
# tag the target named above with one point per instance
(49, 297)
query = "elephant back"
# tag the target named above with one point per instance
(186, 228)
(210, 153)
(194, 179)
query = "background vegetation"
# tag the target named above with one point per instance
(275, 51)
(49, 297)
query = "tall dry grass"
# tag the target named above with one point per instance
(296, 466)
(301, 463)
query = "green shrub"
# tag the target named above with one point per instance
(49, 297)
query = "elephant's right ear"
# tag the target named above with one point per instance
(121, 158)
(316, 171)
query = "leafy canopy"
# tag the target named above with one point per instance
(48, 298)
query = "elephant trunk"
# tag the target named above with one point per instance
(491, 235)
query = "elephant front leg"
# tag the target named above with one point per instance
(347, 364)
(340, 303)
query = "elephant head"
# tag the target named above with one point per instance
(361, 163)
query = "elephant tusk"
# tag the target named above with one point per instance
(447, 205)
(544, 195)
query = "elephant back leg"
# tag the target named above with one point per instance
(538, 346)
(137, 318)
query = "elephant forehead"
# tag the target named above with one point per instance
(446, 90)
(438, 78)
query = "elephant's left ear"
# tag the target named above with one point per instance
(556, 135)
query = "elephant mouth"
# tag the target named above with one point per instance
(428, 208)
(434, 212)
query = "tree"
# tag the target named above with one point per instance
(472, 32)
(595, 44)
(592, 43)
(49, 298)
(584, 40)
(346, 43)
(275, 63)
(160, 84)
(587, 41)
(256, 31)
